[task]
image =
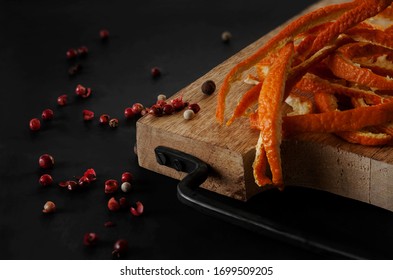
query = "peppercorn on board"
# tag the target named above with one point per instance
(319, 161)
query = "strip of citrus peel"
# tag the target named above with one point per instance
(346, 69)
(350, 18)
(314, 84)
(269, 115)
(326, 102)
(349, 120)
(298, 26)
(296, 73)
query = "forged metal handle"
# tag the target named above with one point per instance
(229, 209)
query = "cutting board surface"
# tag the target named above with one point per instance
(319, 161)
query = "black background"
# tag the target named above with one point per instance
(183, 39)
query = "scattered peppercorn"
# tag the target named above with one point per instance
(88, 115)
(195, 107)
(114, 123)
(71, 53)
(104, 119)
(208, 87)
(129, 113)
(47, 114)
(138, 210)
(113, 205)
(188, 114)
(46, 161)
(90, 239)
(178, 103)
(137, 108)
(62, 100)
(104, 34)
(126, 177)
(35, 124)
(83, 91)
(126, 187)
(111, 186)
(82, 51)
(45, 180)
(156, 110)
(49, 207)
(120, 248)
(161, 97)
(84, 181)
(168, 109)
(226, 37)
(155, 72)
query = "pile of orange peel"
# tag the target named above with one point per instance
(329, 71)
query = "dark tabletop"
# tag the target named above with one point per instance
(181, 37)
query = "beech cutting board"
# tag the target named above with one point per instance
(319, 161)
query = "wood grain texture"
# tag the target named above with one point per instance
(314, 160)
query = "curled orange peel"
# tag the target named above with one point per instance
(335, 55)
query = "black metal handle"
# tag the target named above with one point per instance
(229, 209)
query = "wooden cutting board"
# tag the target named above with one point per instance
(318, 161)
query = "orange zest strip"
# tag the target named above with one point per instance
(346, 69)
(365, 138)
(375, 36)
(247, 100)
(298, 26)
(363, 11)
(269, 115)
(314, 84)
(349, 120)
(260, 164)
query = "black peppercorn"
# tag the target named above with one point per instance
(208, 87)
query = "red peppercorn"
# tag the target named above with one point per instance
(72, 185)
(83, 91)
(155, 72)
(104, 34)
(47, 114)
(111, 186)
(145, 111)
(161, 103)
(114, 123)
(88, 115)
(195, 107)
(83, 181)
(49, 207)
(104, 119)
(71, 53)
(82, 51)
(90, 239)
(35, 124)
(126, 177)
(62, 100)
(156, 111)
(138, 210)
(45, 180)
(137, 108)
(91, 174)
(113, 204)
(129, 113)
(120, 248)
(178, 103)
(46, 161)
(168, 109)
